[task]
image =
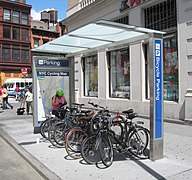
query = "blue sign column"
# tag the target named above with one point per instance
(158, 66)
(156, 96)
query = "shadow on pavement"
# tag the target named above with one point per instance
(27, 143)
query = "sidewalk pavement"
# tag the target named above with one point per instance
(54, 163)
(13, 166)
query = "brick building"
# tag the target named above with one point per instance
(41, 33)
(15, 38)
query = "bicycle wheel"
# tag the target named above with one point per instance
(44, 127)
(94, 124)
(118, 129)
(138, 141)
(90, 149)
(106, 151)
(73, 143)
(60, 133)
(51, 131)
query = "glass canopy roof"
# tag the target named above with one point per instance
(95, 36)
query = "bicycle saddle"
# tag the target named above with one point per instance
(128, 111)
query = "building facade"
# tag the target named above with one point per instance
(41, 33)
(15, 38)
(119, 77)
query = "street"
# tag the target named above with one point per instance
(176, 163)
(13, 166)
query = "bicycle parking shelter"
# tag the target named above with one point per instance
(106, 34)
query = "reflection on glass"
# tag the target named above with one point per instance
(171, 92)
(120, 73)
(91, 76)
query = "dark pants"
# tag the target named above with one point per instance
(55, 112)
(29, 105)
(6, 103)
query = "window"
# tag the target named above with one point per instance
(36, 42)
(45, 41)
(25, 55)
(16, 33)
(90, 76)
(16, 17)
(6, 53)
(25, 18)
(25, 35)
(15, 54)
(7, 32)
(22, 85)
(7, 15)
(161, 16)
(123, 20)
(170, 75)
(119, 73)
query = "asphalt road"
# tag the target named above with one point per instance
(13, 166)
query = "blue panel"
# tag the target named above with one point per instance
(52, 63)
(158, 68)
(51, 73)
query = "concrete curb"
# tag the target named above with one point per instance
(35, 164)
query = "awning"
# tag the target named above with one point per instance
(95, 36)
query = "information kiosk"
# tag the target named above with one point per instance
(50, 74)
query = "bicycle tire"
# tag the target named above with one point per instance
(60, 133)
(118, 130)
(106, 151)
(138, 141)
(51, 131)
(73, 142)
(90, 150)
(94, 123)
(45, 126)
(41, 128)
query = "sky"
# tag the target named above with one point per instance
(38, 6)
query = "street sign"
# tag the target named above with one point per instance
(24, 72)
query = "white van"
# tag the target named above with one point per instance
(12, 83)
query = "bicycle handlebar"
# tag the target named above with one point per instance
(77, 104)
(96, 105)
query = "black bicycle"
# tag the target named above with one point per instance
(133, 138)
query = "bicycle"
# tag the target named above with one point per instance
(89, 149)
(60, 132)
(106, 140)
(50, 120)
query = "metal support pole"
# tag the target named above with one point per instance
(156, 96)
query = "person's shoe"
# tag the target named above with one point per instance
(11, 107)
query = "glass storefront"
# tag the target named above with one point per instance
(170, 69)
(119, 73)
(163, 16)
(90, 66)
